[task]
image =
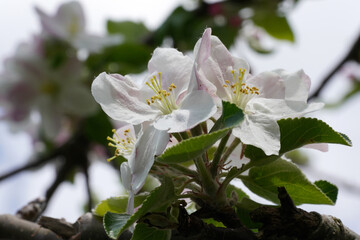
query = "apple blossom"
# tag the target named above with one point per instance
(169, 97)
(68, 24)
(29, 84)
(264, 98)
(140, 152)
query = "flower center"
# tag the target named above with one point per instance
(124, 146)
(163, 100)
(238, 92)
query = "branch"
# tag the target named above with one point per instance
(290, 222)
(12, 227)
(352, 54)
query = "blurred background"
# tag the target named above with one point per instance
(37, 143)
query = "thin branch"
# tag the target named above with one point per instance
(33, 164)
(352, 54)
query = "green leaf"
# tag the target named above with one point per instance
(144, 232)
(230, 117)
(128, 57)
(191, 148)
(243, 210)
(98, 127)
(275, 25)
(328, 188)
(113, 222)
(239, 193)
(213, 222)
(131, 31)
(116, 204)
(158, 200)
(295, 133)
(265, 180)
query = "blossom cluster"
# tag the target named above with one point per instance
(45, 81)
(181, 92)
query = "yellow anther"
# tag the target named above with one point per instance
(123, 146)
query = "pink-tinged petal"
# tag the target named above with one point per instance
(260, 131)
(122, 100)
(216, 69)
(174, 67)
(50, 25)
(323, 147)
(151, 143)
(195, 108)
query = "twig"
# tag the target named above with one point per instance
(352, 54)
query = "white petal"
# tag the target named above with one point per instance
(121, 99)
(279, 108)
(174, 67)
(260, 131)
(195, 108)
(125, 174)
(151, 143)
(270, 84)
(297, 86)
(215, 70)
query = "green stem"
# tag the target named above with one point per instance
(233, 174)
(204, 127)
(186, 171)
(184, 135)
(177, 136)
(207, 182)
(218, 153)
(230, 149)
(196, 131)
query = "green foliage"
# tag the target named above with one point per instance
(243, 209)
(265, 180)
(94, 123)
(130, 31)
(231, 189)
(213, 222)
(113, 222)
(230, 117)
(191, 148)
(275, 25)
(328, 188)
(116, 204)
(128, 57)
(144, 232)
(157, 201)
(296, 133)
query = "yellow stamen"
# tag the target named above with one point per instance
(240, 93)
(123, 146)
(163, 100)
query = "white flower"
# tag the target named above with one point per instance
(264, 98)
(169, 97)
(68, 24)
(140, 152)
(29, 84)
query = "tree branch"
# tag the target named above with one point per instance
(353, 53)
